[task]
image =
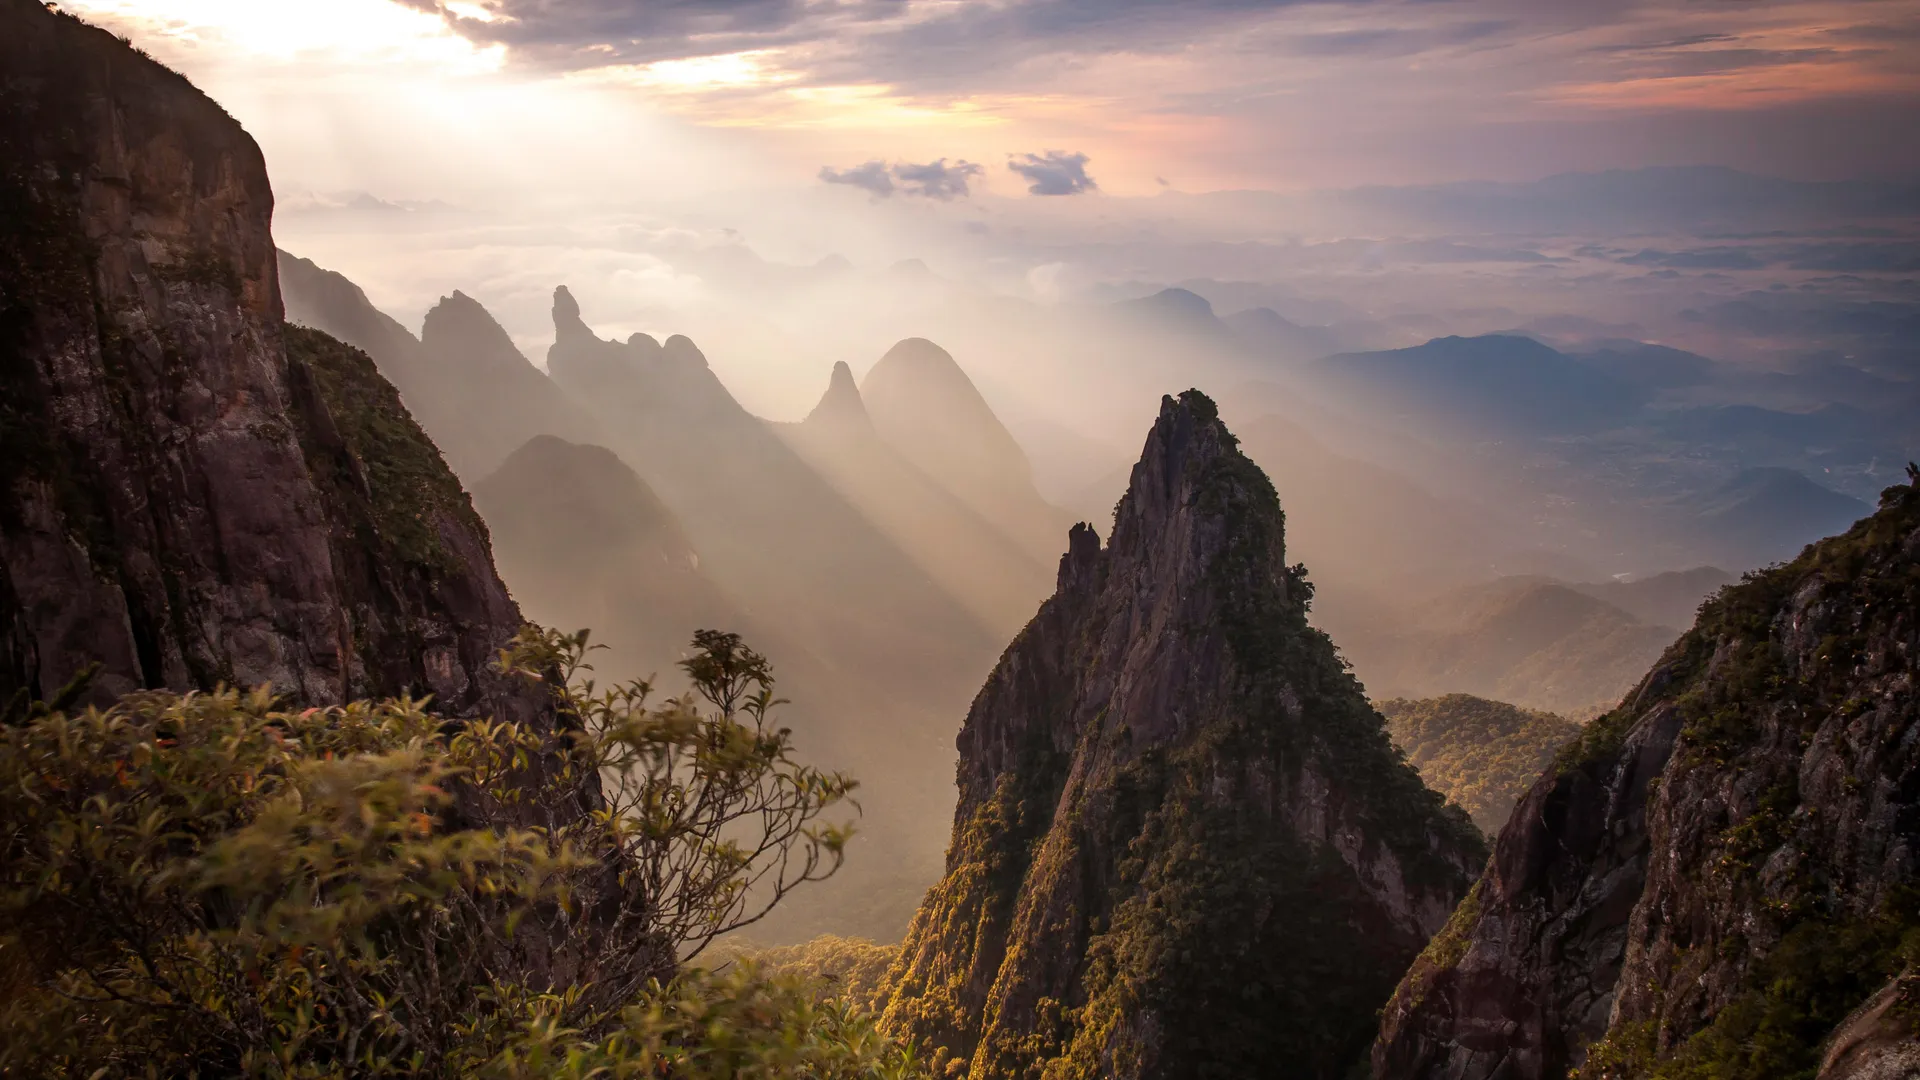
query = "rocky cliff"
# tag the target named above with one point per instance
(1719, 878)
(190, 491)
(1184, 845)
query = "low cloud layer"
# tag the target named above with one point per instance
(933, 180)
(1053, 173)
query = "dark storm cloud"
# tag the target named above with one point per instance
(1053, 173)
(933, 180)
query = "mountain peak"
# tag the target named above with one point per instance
(567, 322)
(1188, 451)
(680, 349)
(841, 404)
(461, 316)
(1169, 721)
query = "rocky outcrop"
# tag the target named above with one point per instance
(1722, 869)
(190, 491)
(1184, 845)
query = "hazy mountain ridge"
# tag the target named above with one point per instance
(1533, 641)
(990, 572)
(463, 377)
(586, 544)
(926, 407)
(877, 589)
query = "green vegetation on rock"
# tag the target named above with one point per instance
(213, 884)
(407, 486)
(849, 970)
(1482, 755)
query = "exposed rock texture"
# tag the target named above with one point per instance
(190, 492)
(1721, 869)
(1184, 845)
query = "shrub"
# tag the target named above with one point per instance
(215, 884)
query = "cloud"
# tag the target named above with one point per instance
(933, 180)
(1053, 173)
(1718, 258)
(872, 177)
(937, 179)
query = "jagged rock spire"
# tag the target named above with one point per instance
(1184, 844)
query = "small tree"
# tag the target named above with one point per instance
(211, 884)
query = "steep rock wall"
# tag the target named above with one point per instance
(1720, 870)
(191, 492)
(1184, 845)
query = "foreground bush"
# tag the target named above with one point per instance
(210, 884)
(851, 971)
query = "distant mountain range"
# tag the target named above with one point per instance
(1534, 641)
(462, 378)
(1616, 200)
(879, 552)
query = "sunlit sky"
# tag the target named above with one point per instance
(422, 98)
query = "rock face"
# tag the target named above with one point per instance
(1721, 870)
(190, 491)
(1184, 845)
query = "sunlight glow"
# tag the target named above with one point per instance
(355, 30)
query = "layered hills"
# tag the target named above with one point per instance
(1184, 844)
(644, 502)
(1535, 641)
(1717, 878)
(767, 524)
(191, 491)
